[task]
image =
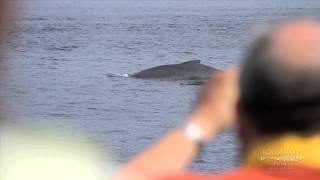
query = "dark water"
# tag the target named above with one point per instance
(62, 51)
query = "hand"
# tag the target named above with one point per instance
(216, 104)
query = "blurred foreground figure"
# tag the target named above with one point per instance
(32, 155)
(46, 155)
(276, 105)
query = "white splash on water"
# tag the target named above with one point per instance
(118, 75)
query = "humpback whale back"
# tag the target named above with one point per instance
(186, 70)
(193, 62)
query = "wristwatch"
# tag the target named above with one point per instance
(195, 133)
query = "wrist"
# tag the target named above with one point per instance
(208, 122)
(194, 132)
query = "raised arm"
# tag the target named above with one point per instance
(214, 111)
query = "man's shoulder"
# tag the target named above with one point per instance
(294, 173)
(228, 175)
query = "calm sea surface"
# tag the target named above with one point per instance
(61, 52)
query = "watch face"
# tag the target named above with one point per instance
(194, 132)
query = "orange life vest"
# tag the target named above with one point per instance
(289, 157)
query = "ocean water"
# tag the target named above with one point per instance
(60, 52)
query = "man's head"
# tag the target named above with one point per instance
(280, 81)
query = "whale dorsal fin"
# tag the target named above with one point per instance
(193, 62)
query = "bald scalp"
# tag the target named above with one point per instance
(297, 44)
(280, 79)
